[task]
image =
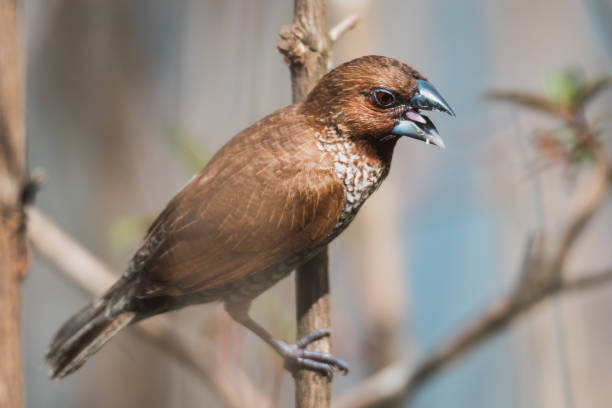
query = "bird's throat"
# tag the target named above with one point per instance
(360, 167)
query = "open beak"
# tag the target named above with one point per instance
(417, 126)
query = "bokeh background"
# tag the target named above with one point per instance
(125, 99)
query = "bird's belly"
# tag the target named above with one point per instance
(355, 195)
(253, 285)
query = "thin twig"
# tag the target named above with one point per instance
(72, 260)
(588, 280)
(590, 201)
(347, 24)
(533, 102)
(66, 255)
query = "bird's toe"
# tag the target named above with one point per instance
(297, 357)
(311, 337)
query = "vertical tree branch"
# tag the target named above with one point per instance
(313, 389)
(13, 259)
(306, 45)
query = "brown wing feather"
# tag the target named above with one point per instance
(265, 197)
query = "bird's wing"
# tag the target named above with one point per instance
(260, 202)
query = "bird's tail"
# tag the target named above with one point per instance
(88, 330)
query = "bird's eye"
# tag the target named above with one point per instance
(383, 97)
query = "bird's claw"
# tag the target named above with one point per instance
(297, 357)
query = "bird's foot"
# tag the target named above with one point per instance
(297, 357)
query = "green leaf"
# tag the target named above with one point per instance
(126, 232)
(581, 157)
(565, 87)
(185, 147)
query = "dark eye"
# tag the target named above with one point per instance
(384, 98)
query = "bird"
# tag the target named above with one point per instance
(268, 201)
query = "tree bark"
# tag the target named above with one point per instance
(13, 254)
(306, 45)
(313, 389)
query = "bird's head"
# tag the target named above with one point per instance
(377, 97)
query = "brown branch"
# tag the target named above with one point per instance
(400, 380)
(313, 389)
(541, 277)
(593, 89)
(590, 201)
(13, 253)
(306, 45)
(75, 262)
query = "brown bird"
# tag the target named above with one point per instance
(268, 201)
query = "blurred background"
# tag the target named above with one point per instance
(126, 100)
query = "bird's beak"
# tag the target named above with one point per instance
(417, 126)
(428, 98)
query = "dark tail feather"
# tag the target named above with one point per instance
(87, 331)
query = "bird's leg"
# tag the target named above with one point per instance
(295, 355)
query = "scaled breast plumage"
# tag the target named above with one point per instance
(359, 177)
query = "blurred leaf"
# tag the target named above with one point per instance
(185, 147)
(565, 87)
(568, 92)
(581, 156)
(126, 232)
(533, 102)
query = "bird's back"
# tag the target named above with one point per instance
(266, 197)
